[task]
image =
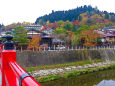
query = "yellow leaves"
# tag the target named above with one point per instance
(48, 22)
(84, 19)
(83, 14)
(96, 17)
(34, 43)
(103, 16)
(90, 37)
(70, 33)
(93, 27)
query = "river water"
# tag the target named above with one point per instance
(102, 78)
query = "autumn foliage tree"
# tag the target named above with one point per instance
(70, 34)
(76, 40)
(90, 37)
(34, 43)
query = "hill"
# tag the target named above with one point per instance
(75, 14)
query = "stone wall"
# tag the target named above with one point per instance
(29, 58)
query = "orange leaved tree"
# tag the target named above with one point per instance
(70, 34)
(90, 37)
(34, 43)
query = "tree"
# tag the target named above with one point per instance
(60, 30)
(20, 35)
(75, 27)
(68, 26)
(109, 24)
(62, 36)
(70, 34)
(76, 22)
(60, 23)
(81, 28)
(90, 21)
(48, 22)
(8, 33)
(103, 15)
(113, 18)
(101, 25)
(90, 37)
(84, 18)
(106, 16)
(79, 13)
(94, 27)
(75, 40)
(34, 43)
(41, 22)
(96, 17)
(80, 18)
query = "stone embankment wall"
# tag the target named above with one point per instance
(30, 58)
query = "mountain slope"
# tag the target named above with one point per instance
(74, 14)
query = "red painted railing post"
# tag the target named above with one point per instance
(7, 55)
(12, 73)
(1, 47)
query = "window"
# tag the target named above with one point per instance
(110, 38)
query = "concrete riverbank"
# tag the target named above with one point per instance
(30, 58)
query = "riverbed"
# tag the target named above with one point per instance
(101, 78)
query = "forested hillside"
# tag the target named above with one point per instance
(75, 14)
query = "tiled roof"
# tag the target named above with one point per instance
(107, 28)
(106, 34)
(36, 31)
(58, 40)
(102, 33)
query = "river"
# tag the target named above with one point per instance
(102, 78)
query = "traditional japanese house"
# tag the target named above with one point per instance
(45, 39)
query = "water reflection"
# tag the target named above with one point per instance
(102, 78)
(106, 83)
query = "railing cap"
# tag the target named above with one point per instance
(8, 44)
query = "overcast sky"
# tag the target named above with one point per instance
(28, 10)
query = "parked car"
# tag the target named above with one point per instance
(60, 47)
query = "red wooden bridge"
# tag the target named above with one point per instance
(11, 73)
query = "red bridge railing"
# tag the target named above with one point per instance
(12, 73)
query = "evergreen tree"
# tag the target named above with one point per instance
(20, 35)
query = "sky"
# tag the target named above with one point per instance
(12, 11)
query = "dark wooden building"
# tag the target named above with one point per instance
(45, 39)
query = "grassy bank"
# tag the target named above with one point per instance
(73, 73)
(81, 63)
(67, 74)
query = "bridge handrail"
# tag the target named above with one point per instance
(24, 78)
(12, 73)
